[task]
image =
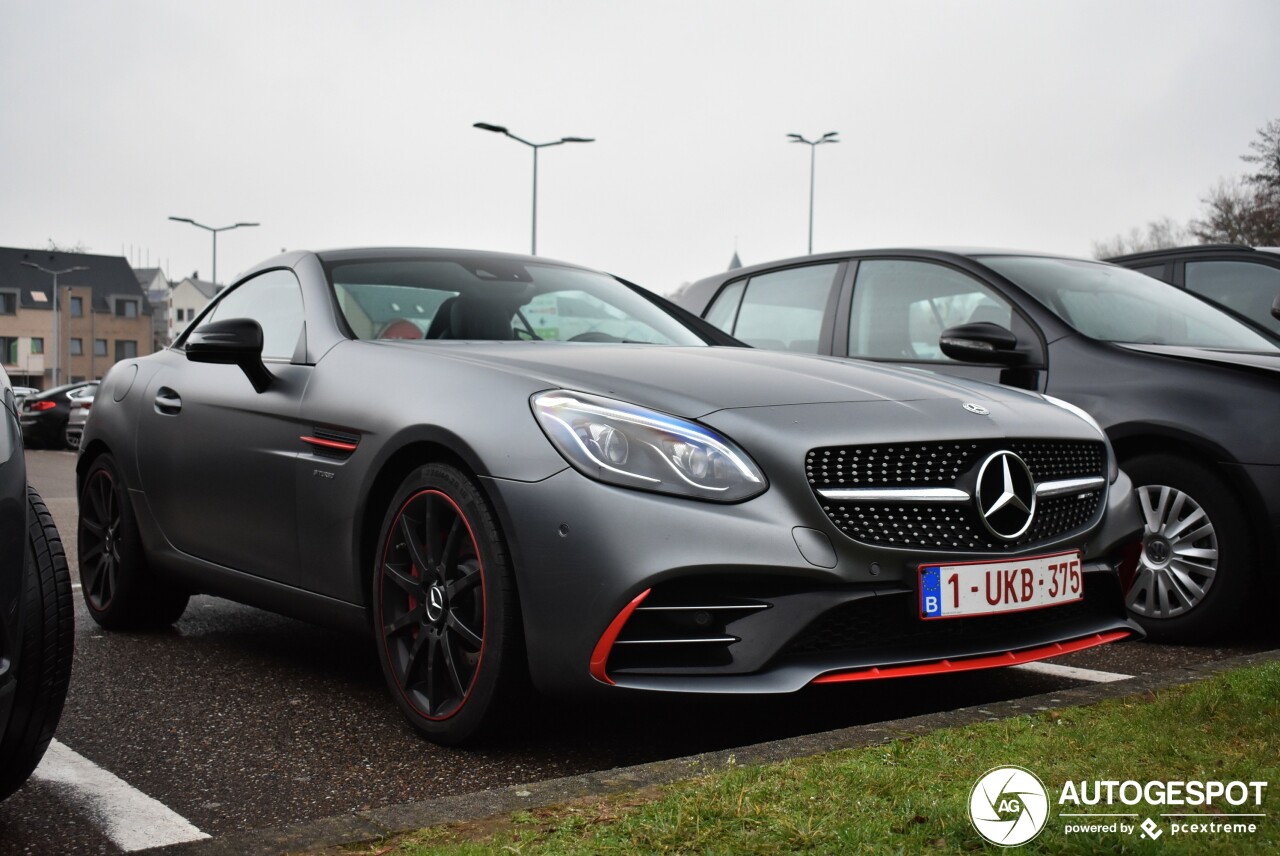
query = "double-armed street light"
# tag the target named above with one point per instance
(498, 129)
(215, 237)
(56, 333)
(829, 137)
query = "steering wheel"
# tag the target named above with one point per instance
(594, 336)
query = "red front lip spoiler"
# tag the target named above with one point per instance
(941, 667)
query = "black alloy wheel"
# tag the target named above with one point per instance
(445, 608)
(117, 586)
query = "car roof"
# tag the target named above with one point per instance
(1191, 250)
(937, 253)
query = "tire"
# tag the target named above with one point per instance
(1196, 571)
(445, 611)
(44, 650)
(119, 589)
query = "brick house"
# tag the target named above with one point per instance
(104, 316)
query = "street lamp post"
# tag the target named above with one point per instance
(215, 237)
(829, 137)
(498, 129)
(55, 274)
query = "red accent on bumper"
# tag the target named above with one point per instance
(600, 656)
(337, 445)
(1008, 658)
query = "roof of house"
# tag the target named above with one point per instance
(208, 289)
(108, 276)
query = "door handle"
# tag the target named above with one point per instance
(168, 402)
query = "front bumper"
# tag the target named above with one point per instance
(629, 589)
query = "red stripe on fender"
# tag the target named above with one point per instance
(1008, 658)
(329, 444)
(600, 656)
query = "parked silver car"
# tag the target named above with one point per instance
(81, 404)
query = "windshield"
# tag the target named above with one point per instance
(1114, 304)
(488, 297)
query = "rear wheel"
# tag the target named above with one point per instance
(44, 651)
(1196, 570)
(118, 587)
(445, 608)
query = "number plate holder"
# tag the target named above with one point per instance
(966, 589)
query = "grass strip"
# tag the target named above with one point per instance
(911, 795)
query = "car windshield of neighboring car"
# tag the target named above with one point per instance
(1115, 304)
(487, 298)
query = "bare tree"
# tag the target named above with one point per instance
(77, 247)
(1266, 154)
(1239, 212)
(1159, 234)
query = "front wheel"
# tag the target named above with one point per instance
(119, 589)
(445, 608)
(1196, 570)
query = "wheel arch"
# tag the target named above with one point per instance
(1135, 440)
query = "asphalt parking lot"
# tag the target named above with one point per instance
(237, 720)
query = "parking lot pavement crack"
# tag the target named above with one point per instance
(380, 823)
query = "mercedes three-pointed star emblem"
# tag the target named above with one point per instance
(1006, 495)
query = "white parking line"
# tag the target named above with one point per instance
(1073, 673)
(130, 818)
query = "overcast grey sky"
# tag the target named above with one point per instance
(334, 123)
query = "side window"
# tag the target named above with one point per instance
(1159, 272)
(783, 310)
(724, 309)
(274, 300)
(900, 309)
(1244, 287)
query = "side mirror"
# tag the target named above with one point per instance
(981, 342)
(233, 342)
(1275, 308)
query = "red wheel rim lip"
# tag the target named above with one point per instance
(484, 605)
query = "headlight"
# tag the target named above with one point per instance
(1113, 467)
(623, 444)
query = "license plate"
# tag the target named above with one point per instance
(990, 588)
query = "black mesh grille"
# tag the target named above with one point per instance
(955, 526)
(921, 465)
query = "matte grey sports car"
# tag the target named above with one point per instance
(511, 469)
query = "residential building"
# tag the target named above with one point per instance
(187, 299)
(155, 285)
(103, 316)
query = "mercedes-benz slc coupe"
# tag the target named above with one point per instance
(520, 473)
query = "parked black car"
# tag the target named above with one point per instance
(1189, 395)
(36, 634)
(512, 469)
(44, 415)
(1244, 280)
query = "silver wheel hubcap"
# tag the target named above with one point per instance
(1179, 554)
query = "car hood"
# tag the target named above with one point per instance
(1240, 359)
(694, 382)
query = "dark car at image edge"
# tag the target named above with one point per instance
(1189, 395)
(519, 472)
(36, 621)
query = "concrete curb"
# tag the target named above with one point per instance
(379, 823)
